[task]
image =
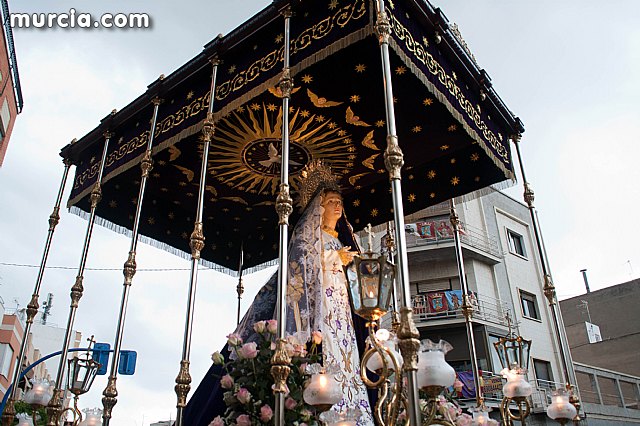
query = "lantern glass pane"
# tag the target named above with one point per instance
(526, 348)
(501, 353)
(388, 275)
(354, 288)
(369, 271)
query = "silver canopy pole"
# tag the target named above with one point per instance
(32, 308)
(407, 333)
(284, 206)
(183, 380)
(110, 393)
(55, 404)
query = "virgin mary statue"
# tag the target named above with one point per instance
(322, 243)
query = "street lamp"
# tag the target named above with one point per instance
(434, 375)
(513, 352)
(561, 409)
(38, 396)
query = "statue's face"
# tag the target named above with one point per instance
(332, 203)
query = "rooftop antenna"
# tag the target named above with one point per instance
(586, 282)
(47, 308)
(630, 269)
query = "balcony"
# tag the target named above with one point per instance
(437, 232)
(439, 305)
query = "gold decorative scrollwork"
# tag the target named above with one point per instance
(449, 82)
(183, 384)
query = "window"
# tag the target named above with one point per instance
(529, 305)
(544, 375)
(516, 243)
(6, 355)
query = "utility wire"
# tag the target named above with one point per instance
(24, 265)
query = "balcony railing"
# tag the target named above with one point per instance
(470, 235)
(485, 308)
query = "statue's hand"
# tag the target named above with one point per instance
(346, 256)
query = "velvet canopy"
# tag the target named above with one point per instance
(452, 127)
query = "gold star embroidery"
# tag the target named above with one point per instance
(271, 107)
(351, 157)
(374, 212)
(432, 195)
(255, 107)
(355, 98)
(320, 118)
(171, 215)
(416, 129)
(164, 189)
(333, 4)
(427, 102)
(307, 79)
(350, 165)
(190, 95)
(452, 128)
(379, 123)
(184, 235)
(395, 100)
(342, 132)
(161, 162)
(240, 109)
(411, 198)
(431, 174)
(232, 69)
(381, 171)
(351, 149)
(361, 67)
(156, 175)
(291, 110)
(182, 183)
(455, 180)
(425, 41)
(455, 76)
(168, 232)
(477, 178)
(453, 161)
(356, 203)
(113, 204)
(151, 221)
(475, 156)
(304, 113)
(444, 147)
(401, 70)
(411, 177)
(190, 194)
(347, 141)
(332, 125)
(279, 38)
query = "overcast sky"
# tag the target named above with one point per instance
(568, 69)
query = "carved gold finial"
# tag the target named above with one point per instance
(393, 157)
(197, 240)
(32, 308)
(76, 291)
(208, 127)
(286, 83)
(54, 408)
(383, 27)
(408, 339)
(280, 367)
(156, 100)
(96, 195)
(286, 13)
(129, 269)
(467, 307)
(9, 413)
(549, 290)
(529, 196)
(183, 384)
(109, 398)
(161, 77)
(316, 176)
(284, 204)
(146, 164)
(54, 218)
(215, 61)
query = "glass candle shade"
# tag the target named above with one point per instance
(517, 385)
(560, 407)
(433, 370)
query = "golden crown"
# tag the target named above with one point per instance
(314, 177)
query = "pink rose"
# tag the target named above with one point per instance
(299, 350)
(290, 403)
(243, 420)
(248, 351)
(305, 415)
(316, 337)
(243, 396)
(226, 382)
(259, 327)
(457, 385)
(272, 326)
(234, 340)
(216, 422)
(464, 420)
(266, 413)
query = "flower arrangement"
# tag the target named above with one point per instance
(248, 382)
